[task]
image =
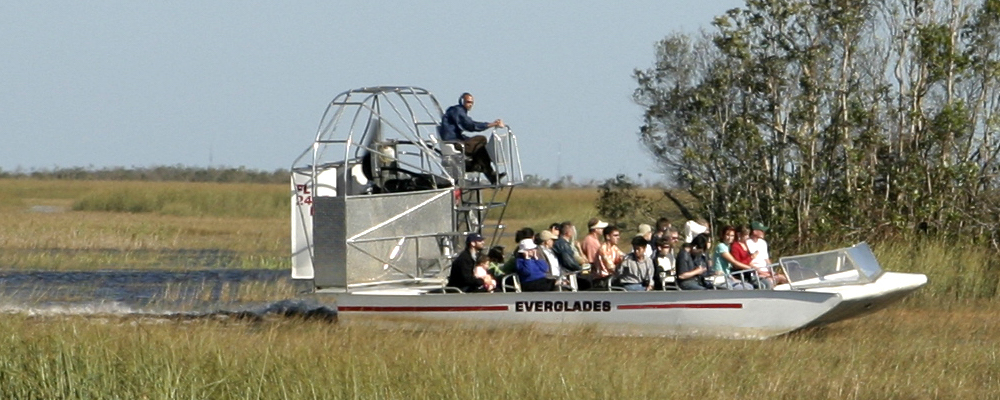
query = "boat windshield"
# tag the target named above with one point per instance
(852, 265)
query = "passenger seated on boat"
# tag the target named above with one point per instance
(609, 257)
(482, 272)
(761, 260)
(531, 270)
(646, 232)
(591, 246)
(663, 261)
(564, 277)
(661, 228)
(694, 228)
(510, 266)
(724, 263)
(564, 249)
(692, 265)
(741, 253)
(635, 273)
(554, 228)
(462, 274)
(545, 240)
(495, 254)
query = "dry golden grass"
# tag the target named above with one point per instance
(39, 230)
(898, 353)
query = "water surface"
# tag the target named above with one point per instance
(169, 294)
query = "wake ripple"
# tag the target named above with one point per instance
(164, 295)
(282, 309)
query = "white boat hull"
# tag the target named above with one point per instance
(859, 300)
(733, 314)
(715, 313)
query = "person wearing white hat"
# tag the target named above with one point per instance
(531, 270)
(591, 244)
(694, 228)
(761, 261)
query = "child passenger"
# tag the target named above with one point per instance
(481, 271)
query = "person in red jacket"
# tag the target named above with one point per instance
(740, 251)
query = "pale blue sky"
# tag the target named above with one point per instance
(142, 83)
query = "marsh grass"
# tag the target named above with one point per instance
(956, 272)
(240, 221)
(187, 199)
(897, 353)
(223, 293)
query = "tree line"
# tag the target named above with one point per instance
(177, 173)
(859, 119)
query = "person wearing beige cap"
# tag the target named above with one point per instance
(545, 240)
(646, 232)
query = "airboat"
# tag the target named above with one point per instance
(380, 206)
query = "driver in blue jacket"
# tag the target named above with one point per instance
(456, 120)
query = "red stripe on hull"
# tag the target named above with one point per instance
(420, 309)
(695, 305)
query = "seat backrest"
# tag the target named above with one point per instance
(447, 148)
(496, 148)
(450, 149)
(357, 172)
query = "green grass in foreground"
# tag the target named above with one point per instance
(897, 353)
